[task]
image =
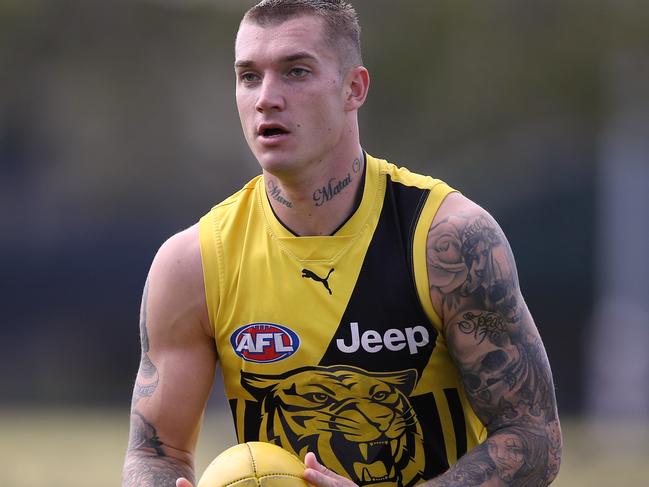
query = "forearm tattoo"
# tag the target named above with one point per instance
(153, 472)
(146, 463)
(498, 353)
(147, 378)
(144, 435)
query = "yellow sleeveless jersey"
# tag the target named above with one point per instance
(330, 344)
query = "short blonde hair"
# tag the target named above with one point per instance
(342, 30)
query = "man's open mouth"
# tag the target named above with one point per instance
(270, 131)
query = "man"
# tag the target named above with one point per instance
(361, 313)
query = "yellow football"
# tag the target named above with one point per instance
(254, 464)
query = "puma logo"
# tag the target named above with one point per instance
(312, 275)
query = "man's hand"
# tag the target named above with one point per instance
(183, 482)
(319, 475)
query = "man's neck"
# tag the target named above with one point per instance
(318, 205)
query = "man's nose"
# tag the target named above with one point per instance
(270, 96)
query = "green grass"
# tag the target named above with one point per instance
(80, 448)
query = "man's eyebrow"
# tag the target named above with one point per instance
(298, 56)
(243, 64)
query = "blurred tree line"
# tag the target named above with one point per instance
(118, 128)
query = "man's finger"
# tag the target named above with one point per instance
(183, 482)
(321, 476)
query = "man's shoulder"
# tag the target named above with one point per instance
(183, 242)
(178, 258)
(458, 205)
(232, 215)
(403, 175)
(175, 283)
(456, 209)
(241, 196)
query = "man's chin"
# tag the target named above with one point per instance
(277, 163)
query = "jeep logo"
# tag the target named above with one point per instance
(393, 339)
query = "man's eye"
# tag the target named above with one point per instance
(298, 72)
(248, 77)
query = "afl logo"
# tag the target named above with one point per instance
(264, 342)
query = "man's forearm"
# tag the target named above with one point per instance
(515, 457)
(148, 460)
(143, 469)
(476, 468)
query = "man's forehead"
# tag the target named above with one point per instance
(302, 34)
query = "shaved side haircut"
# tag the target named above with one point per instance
(342, 32)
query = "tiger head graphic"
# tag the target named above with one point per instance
(358, 423)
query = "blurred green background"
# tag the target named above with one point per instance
(118, 128)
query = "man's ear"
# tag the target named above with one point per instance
(357, 84)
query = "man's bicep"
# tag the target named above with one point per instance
(469, 261)
(494, 342)
(503, 366)
(489, 330)
(178, 359)
(169, 397)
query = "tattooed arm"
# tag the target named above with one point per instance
(176, 368)
(496, 346)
